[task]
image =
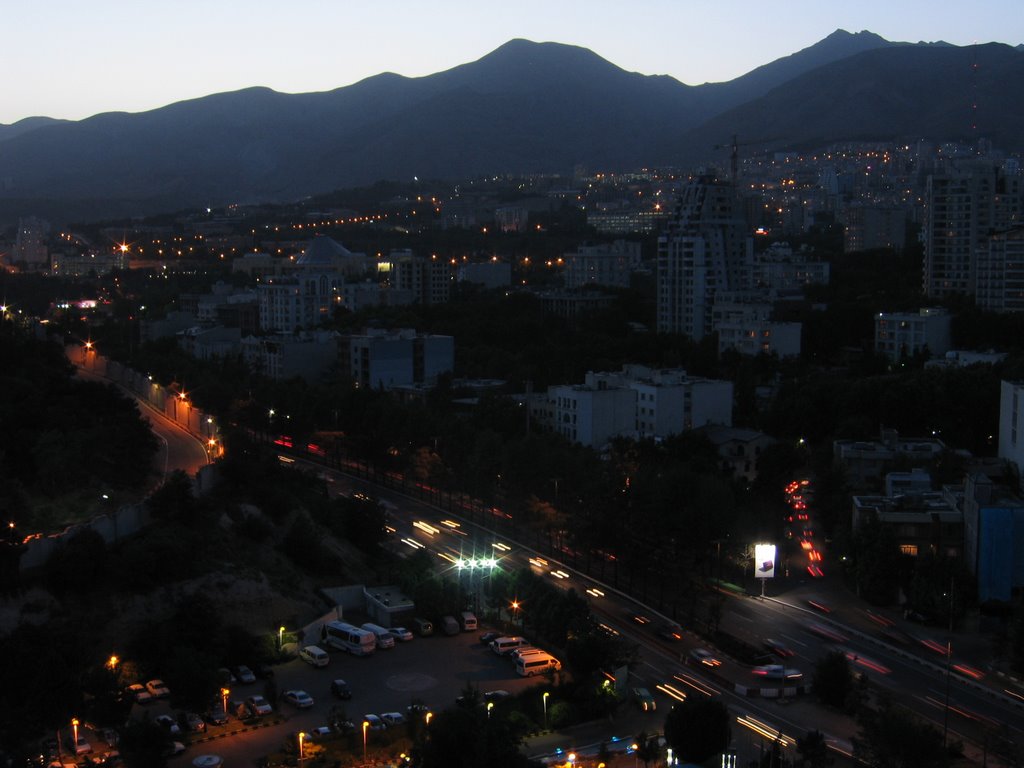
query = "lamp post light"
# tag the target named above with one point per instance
(74, 734)
(280, 639)
(366, 725)
(224, 699)
(426, 718)
(302, 737)
(544, 699)
(490, 706)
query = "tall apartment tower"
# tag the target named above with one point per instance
(706, 249)
(964, 205)
(30, 251)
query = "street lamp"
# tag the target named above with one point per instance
(544, 699)
(302, 737)
(112, 662)
(224, 699)
(74, 733)
(490, 706)
(366, 725)
(280, 638)
(426, 718)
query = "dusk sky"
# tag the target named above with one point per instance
(69, 59)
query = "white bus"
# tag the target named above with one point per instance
(346, 637)
(383, 638)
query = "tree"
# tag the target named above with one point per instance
(833, 680)
(893, 737)
(698, 729)
(174, 499)
(813, 750)
(646, 748)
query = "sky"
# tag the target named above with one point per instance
(72, 59)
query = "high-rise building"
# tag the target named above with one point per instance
(706, 249)
(1000, 281)
(30, 251)
(964, 204)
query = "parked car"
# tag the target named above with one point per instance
(375, 723)
(298, 698)
(487, 637)
(226, 677)
(496, 695)
(158, 689)
(643, 699)
(110, 737)
(217, 715)
(244, 674)
(193, 722)
(168, 723)
(174, 748)
(401, 633)
(82, 745)
(258, 706)
(138, 692)
(340, 689)
(392, 719)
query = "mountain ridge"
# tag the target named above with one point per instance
(524, 107)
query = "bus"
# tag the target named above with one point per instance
(346, 637)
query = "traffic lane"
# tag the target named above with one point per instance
(432, 670)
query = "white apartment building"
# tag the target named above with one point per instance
(608, 264)
(385, 359)
(900, 335)
(635, 402)
(1000, 273)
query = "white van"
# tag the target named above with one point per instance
(537, 664)
(384, 638)
(526, 650)
(503, 646)
(315, 656)
(468, 621)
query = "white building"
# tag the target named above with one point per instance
(901, 335)
(608, 264)
(1011, 423)
(385, 359)
(635, 402)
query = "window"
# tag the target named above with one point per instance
(908, 549)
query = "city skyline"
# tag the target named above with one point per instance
(115, 56)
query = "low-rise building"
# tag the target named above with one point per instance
(384, 359)
(902, 335)
(738, 449)
(309, 355)
(867, 461)
(994, 538)
(920, 522)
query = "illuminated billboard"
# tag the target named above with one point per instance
(764, 561)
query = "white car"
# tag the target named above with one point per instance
(244, 674)
(299, 699)
(167, 722)
(139, 693)
(158, 689)
(258, 706)
(401, 633)
(705, 657)
(392, 719)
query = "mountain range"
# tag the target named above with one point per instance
(525, 107)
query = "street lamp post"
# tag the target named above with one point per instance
(280, 639)
(74, 734)
(366, 725)
(302, 737)
(544, 699)
(224, 699)
(490, 706)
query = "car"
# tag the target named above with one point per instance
(375, 723)
(638, 618)
(818, 605)
(113, 757)
(193, 722)
(643, 699)
(778, 672)
(392, 719)
(109, 737)
(138, 692)
(705, 657)
(226, 677)
(244, 674)
(258, 706)
(496, 695)
(671, 632)
(168, 723)
(298, 698)
(779, 649)
(174, 748)
(340, 689)
(82, 745)
(826, 632)
(217, 715)
(401, 633)
(487, 637)
(158, 689)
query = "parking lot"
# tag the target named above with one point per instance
(432, 670)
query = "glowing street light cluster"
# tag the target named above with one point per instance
(476, 562)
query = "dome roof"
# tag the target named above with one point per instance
(322, 251)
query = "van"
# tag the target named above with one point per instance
(315, 656)
(449, 625)
(537, 664)
(468, 621)
(384, 638)
(503, 646)
(423, 627)
(526, 650)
